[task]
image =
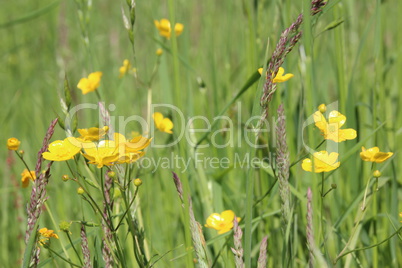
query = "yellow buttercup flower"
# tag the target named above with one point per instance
(162, 123)
(331, 130)
(125, 68)
(106, 153)
(130, 151)
(165, 29)
(221, 222)
(45, 235)
(92, 134)
(26, 176)
(13, 144)
(279, 78)
(374, 155)
(323, 162)
(91, 83)
(62, 150)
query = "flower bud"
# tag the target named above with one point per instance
(116, 193)
(80, 191)
(65, 226)
(334, 186)
(159, 52)
(111, 174)
(13, 144)
(137, 182)
(21, 152)
(65, 177)
(377, 174)
(322, 108)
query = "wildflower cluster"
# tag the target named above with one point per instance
(109, 219)
(331, 130)
(165, 28)
(45, 235)
(101, 153)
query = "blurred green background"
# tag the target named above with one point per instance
(356, 62)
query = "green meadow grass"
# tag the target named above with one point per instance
(350, 54)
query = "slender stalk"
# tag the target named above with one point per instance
(342, 254)
(127, 209)
(64, 259)
(25, 164)
(375, 239)
(72, 245)
(175, 56)
(49, 211)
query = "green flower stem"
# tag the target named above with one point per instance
(131, 227)
(25, 164)
(327, 192)
(72, 245)
(175, 55)
(220, 251)
(127, 209)
(64, 259)
(375, 239)
(322, 212)
(92, 202)
(368, 247)
(109, 213)
(49, 211)
(149, 106)
(98, 95)
(340, 58)
(342, 253)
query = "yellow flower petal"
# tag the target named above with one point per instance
(281, 71)
(331, 130)
(307, 165)
(279, 78)
(213, 220)
(27, 176)
(92, 134)
(381, 157)
(228, 216)
(374, 155)
(320, 121)
(336, 117)
(347, 134)
(166, 125)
